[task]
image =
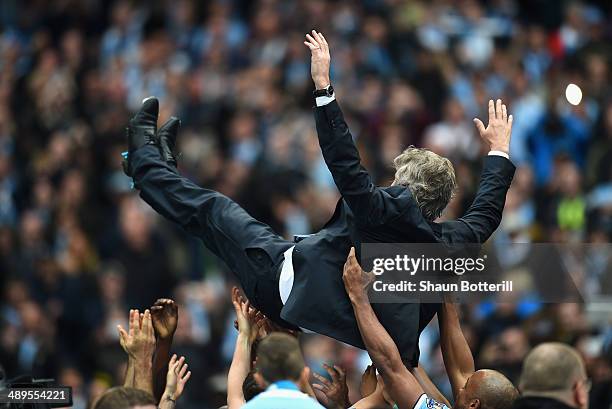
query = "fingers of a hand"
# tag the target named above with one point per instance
(321, 379)
(245, 307)
(504, 112)
(172, 360)
(147, 326)
(491, 110)
(134, 322)
(186, 377)
(162, 301)
(312, 41)
(317, 37)
(340, 371)
(479, 125)
(319, 387)
(324, 40)
(498, 109)
(122, 334)
(235, 297)
(183, 370)
(312, 47)
(510, 120)
(351, 259)
(332, 372)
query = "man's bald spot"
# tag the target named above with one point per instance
(551, 367)
(493, 389)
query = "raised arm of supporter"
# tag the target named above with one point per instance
(400, 383)
(248, 329)
(133, 321)
(164, 314)
(139, 343)
(332, 394)
(456, 352)
(176, 378)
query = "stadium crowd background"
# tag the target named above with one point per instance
(78, 248)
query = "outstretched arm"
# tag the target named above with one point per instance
(248, 328)
(485, 213)
(400, 383)
(164, 314)
(456, 352)
(139, 343)
(339, 151)
(176, 378)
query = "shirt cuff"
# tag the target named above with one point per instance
(324, 100)
(499, 153)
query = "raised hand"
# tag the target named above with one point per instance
(247, 317)
(498, 131)
(368, 381)
(139, 340)
(177, 377)
(165, 318)
(332, 394)
(356, 281)
(320, 59)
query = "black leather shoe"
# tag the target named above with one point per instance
(143, 126)
(167, 140)
(142, 130)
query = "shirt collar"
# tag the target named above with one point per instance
(284, 385)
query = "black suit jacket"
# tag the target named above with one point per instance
(365, 214)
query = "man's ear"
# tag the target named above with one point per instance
(474, 404)
(581, 397)
(260, 380)
(304, 381)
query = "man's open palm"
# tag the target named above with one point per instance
(320, 59)
(497, 132)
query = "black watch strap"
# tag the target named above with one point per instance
(325, 92)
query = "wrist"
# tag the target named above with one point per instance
(358, 297)
(322, 83)
(142, 362)
(500, 148)
(168, 395)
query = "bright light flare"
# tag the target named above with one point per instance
(573, 94)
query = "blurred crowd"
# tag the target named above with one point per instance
(78, 248)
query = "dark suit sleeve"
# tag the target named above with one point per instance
(368, 203)
(170, 194)
(485, 213)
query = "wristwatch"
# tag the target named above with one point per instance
(325, 92)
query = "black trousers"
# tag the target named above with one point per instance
(250, 248)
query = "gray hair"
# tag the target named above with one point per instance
(430, 178)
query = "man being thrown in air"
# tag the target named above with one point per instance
(299, 283)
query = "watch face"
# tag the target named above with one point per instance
(329, 91)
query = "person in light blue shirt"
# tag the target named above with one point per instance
(280, 368)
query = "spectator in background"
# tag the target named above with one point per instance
(553, 377)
